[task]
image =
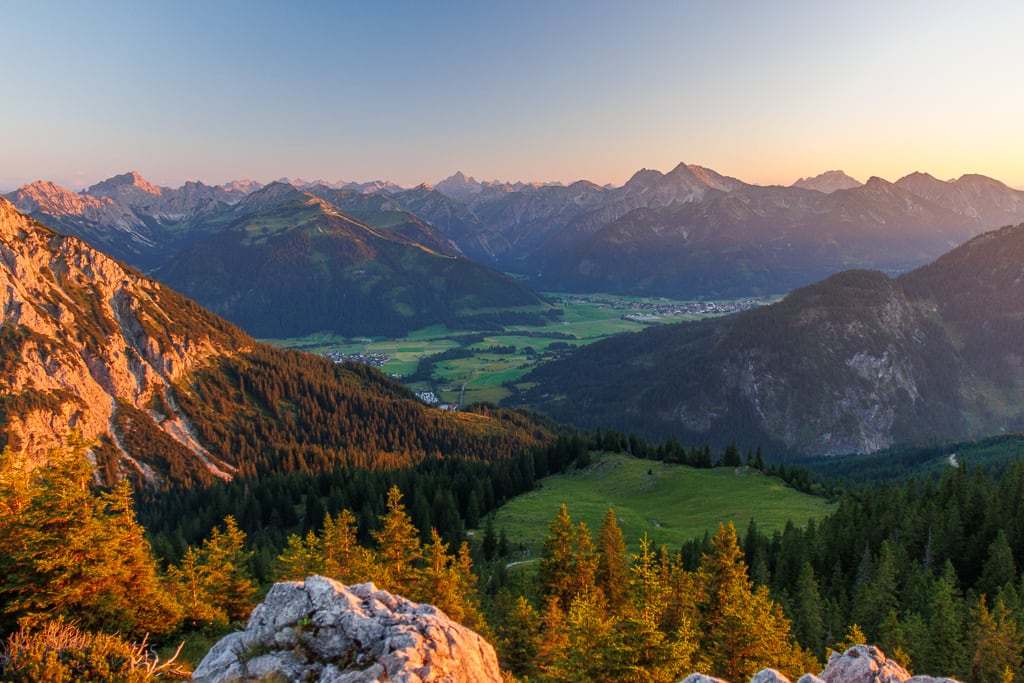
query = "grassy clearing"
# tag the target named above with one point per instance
(670, 503)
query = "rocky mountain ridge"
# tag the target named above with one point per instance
(84, 337)
(126, 216)
(688, 232)
(301, 266)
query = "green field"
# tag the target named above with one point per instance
(670, 503)
(585, 319)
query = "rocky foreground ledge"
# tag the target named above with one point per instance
(859, 664)
(321, 630)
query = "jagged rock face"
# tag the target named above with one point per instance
(859, 664)
(321, 630)
(81, 335)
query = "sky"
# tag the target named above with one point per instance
(553, 90)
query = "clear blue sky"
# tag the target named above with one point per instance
(413, 91)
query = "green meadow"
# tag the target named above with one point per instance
(670, 503)
(482, 377)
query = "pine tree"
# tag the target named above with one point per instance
(188, 580)
(999, 568)
(878, 595)
(612, 575)
(213, 582)
(301, 557)
(945, 652)
(567, 563)
(398, 547)
(808, 612)
(75, 555)
(554, 636)
(995, 643)
(743, 631)
(520, 638)
(854, 636)
(588, 642)
(343, 558)
(231, 583)
(489, 543)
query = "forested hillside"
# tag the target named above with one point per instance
(854, 364)
(169, 395)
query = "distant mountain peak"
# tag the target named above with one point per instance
(132, 179)
(458, 177)
(920, 175)
(45, 197)
(828, 182)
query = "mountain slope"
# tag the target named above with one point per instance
(855, 363)
(171, 395)
(301, 267)
(84, 339)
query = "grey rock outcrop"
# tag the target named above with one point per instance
(863, 664)
(321, 630)
(769, 676)
(702, 678)
(859, 664)
(809, 678)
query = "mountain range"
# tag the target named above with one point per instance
(689, 233)
(168, 394)
(853, 364)
(302, 267)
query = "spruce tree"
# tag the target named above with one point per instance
(945, 651)
(994, 643)
(612, 575)
(71, 554)
(743, 630)
(808, 612)
(520, 638)
(398, 547)
(567, 560)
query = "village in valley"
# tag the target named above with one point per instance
(449, 369)
(653, 310)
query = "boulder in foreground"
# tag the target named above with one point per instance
(322, 630)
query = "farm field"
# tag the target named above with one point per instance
(480, 376)
(671, 503)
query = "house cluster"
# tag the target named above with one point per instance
(431, 399)
(652, 310)
(377, 360)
